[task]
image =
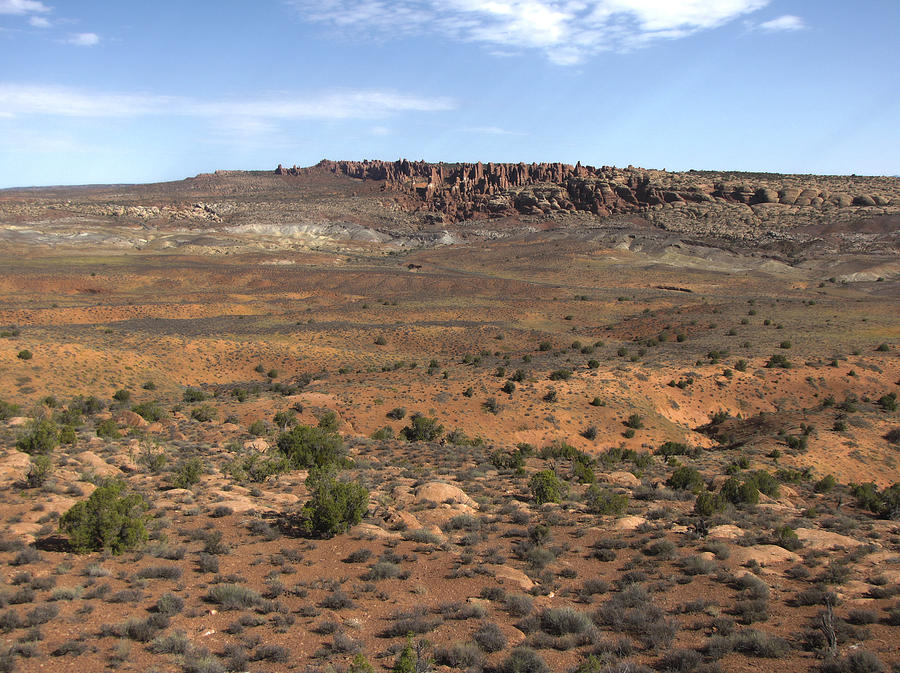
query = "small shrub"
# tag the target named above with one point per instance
(149, 411)
(38, 471)
(40, 438)
(159, 573)
(24, 354)
(334, 506)
(888, 402)
(825, 485)
(337, 600)
(204, 413)
(108, 519)
(307, 447)
(740, 492)
(562, 621)
(8, 410)
(188, 473)
(462, 656)
(397, 413)
(583, 473)
(358, 556)
(173, 643)
(685, 478)
(384, 570)
(758, 644)
(787, 538)
(192, 395)
(546, 486)
(489, 637)
(524, 660)
(708, 503)
(384, 433)
(233, 596)
(765, 482)
(41, 614)
(634, 421)
(422, 429)
(276, 653)
(518, 605)
(108, 429)
(602, 501)
(860, 661)
(680, 661)
(169, 604)
(778, 360)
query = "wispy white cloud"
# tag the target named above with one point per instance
(492, 131)
(28, 99)
(566, 31)
(39, 22)
(83, 39)
(786, 23)
(39, 142)
(22, 6)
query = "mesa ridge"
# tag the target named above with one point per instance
(473, 190)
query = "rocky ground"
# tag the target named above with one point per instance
(718, 420)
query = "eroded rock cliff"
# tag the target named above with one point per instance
(472, 191)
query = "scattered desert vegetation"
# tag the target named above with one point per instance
(548, 452)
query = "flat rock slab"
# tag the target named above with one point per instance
(630, 522)
(814, 538)
(764, 555)
(726, 532)
(91, 461)
(239, 505)
(372, 532)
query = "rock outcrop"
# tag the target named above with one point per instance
(471, 191)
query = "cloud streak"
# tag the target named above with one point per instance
(22, 6)
(786, 23)
(24, 100)
(83, 39)
(566, 31)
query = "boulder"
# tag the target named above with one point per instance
(258, 444)
(625, 479)
(405, 520)
(129, 419)
(94, 463)
(512, 575)
(439, 492)
(13, 467)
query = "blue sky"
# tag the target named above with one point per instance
(105, 91)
